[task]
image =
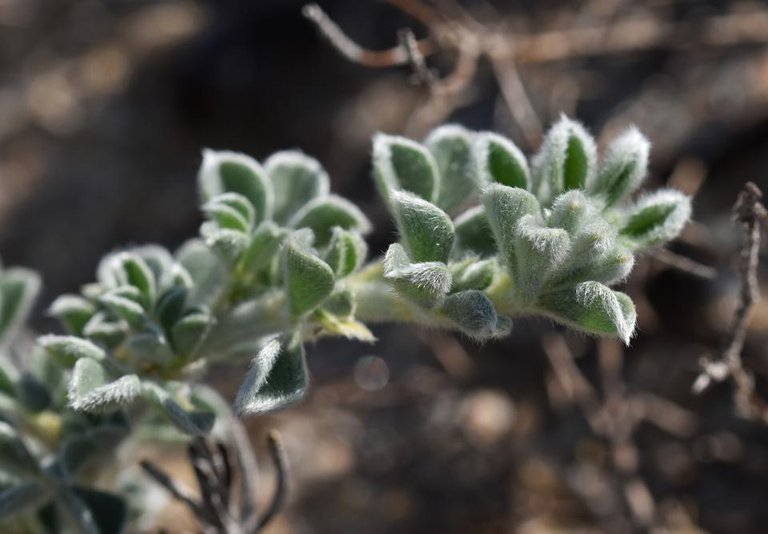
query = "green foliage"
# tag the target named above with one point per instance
(484, 235)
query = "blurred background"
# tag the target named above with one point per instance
(105, 106)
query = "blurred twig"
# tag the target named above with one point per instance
(750, 213)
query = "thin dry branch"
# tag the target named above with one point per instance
(750, 213)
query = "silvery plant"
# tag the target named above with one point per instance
(485, 236)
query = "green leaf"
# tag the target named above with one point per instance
(571, 211)
(73, 312)
(566, 161)
(123, 269)
(93, 390)
(451, 146)
(474, 314)
(261, 251)
(32, 393)
(229, 245)
(402, 164)
(231, 172)
(500, 161)
(188, 420)
(171, 305)
(592, 307)
(623, 168)
(149, 347)
(231, 211)
(425, 283)
(91, 447)
(426, 231)
(18, 290)
(346, 252)
(321, 215)
(19, 499)
(126, 309)
(15, 458)
(206, 269)
(69, 349)
(473, 233)
(190, 331)
(276, 378)
(308, 279)
(541, 252)
(504, 206)
(477, 275)
(105, 331)
(296, 179)
(657, 218)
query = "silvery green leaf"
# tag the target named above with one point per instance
(657, 218)
(473, 313)
(322, 214)
(261, 251)
(504, 206)
(128, 269)
(623, 168)
(32, 393)
(125, 308)
(188, 420)
(73, 312)
(157, 258)
(15, 458)
(473, 233)
(18, 290)
(571, 211)
(451, 146)
(425, 283)
(566, 160)
(69, 349)
(104, 330)
(477, 275)
(231, 211)
(206, 270)
(93, 390)
(190, 331)
(402, 164)
(229, 245)
(426, 231)
(346, 252)
(308, 279)
(341, 303)
(21, 498)
(276, 378)
(224, 171)
(148, 347)
(540, 251)
(500, 161)
(592, 307)
(296, 179)
(610, 267)
(171, 305)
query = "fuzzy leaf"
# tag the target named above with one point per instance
(89, 447)
(500, 161)
(657, 218)
(346, 252)
(504, 206)
(206, 269)
(224, 172)
(400, 163)
(188, 420)
(124, 308)
(623, 168)
(68, 349)
(473, 312)
(296, 179)
(93, 390)
(567, 159)
(425, 283)
(170, 306)
(276, 378)
(473, 233)
(451, 146)
(149, 347)
(592, 307)
(261, 251)
(104, 331)
(425, 230)
(73, 312)
(541, 251)
(308, 279)
(477, 275)
(18, 290)
(190, 331)
(21, 498)
(321, 215)
(232, 211)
